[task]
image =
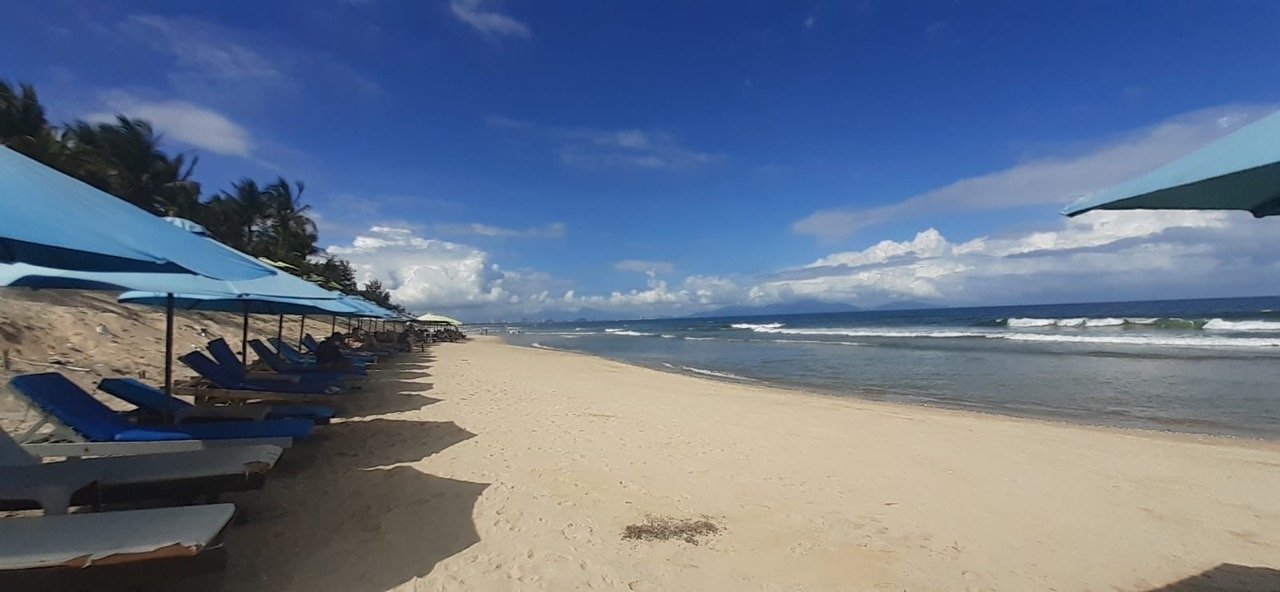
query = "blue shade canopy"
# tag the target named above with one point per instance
(1238, 172)
(250, 304)
(369, 309)
(51, 220)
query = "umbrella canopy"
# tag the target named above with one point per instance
(52, 220)
(243, 303)
(1238, 172)
(439, 319)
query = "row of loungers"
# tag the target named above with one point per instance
(165, 449)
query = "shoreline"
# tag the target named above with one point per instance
(923, 402)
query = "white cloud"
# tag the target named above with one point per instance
(618, 148)
(641, 266)
(184, 122)
(1098, 256)
(1102, 255)
(487, 21)
(235, 65)
(1046, 181)
(553, 230)
(203, 47)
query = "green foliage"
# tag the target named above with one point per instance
(125, 158)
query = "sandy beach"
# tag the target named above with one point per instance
(490, 467)
(486, 466)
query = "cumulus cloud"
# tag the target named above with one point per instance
(184, 122)
(641, 266)
(616, 148)
(1102, 255)
(1048, 180)
(1098, 256)
(480, 17)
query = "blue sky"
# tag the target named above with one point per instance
(518, 158)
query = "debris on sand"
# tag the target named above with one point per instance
(665, 528)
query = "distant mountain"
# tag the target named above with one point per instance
(904, 305)
(783, 308)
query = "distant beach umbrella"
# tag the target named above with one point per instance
(1238, 172)
(436, 319)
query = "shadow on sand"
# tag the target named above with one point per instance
(336, 516)
(1228, 577)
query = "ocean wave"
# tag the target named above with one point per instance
(850, 332)
(1222, 325)
(1147, 340)
(715, 373)
(704, 339)
(817, 342)
(756, 327)
(668, 336)
(1024, 323)
(628, 333)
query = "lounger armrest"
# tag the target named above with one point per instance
(202, 413)
(50, 485)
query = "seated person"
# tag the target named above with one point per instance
(329, 354)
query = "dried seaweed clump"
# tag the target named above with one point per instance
(665, 528)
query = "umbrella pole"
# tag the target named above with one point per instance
(280, 329)
(168, 356)
(244, 338)
(348, 324)
(302, 330)
(333, 326)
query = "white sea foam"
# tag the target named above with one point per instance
(704, 339)
(816, 342)
(1221, 325)
(716, 374)
(1031, 323)
(1148, 340)
(627, 332)
(668, 336)
(848, 332)
(668, 365)
(757, 327)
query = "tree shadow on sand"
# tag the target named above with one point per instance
(336, 516)
(1228, 577)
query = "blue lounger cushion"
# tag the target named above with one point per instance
(275, 362)
(293, 356)
(312, 345)
(54, 394)
(228, 360)
(153, 400)
(235, 380)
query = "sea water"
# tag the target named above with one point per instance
(1205, 366)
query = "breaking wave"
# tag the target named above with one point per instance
(757, 327)
(628, 333)
(715, 373)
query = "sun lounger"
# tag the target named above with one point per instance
(294, 356)
(234, 380)
(130, 548)
(28, 483)
(312, 345)
(275, 362)
(154, 402)
(72, 407)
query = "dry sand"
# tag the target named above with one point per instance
(484, 466)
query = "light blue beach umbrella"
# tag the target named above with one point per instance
(1238, 172)
(245, 304)
(51, 220)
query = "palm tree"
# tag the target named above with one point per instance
(294, 234)
(124, 158)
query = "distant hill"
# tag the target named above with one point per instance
(782, 308)
(904, 305)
